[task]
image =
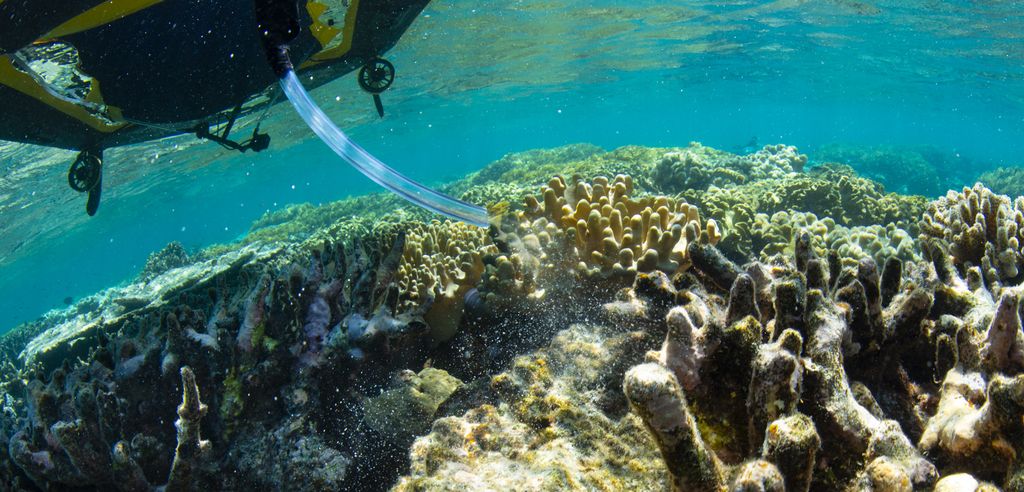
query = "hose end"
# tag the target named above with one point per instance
(277, 22)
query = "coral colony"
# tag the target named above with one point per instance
(651, 319)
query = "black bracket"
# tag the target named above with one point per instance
(376, 77)
(86, 175)
(257, 142)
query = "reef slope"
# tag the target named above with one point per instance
(639, 319)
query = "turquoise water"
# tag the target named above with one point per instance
(478, 80)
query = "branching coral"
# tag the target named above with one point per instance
(979, 438)
(612, 234)
(81, 452)
(777, 234)
(440, 263)
(982, 229)
(826, 191)
(656, 396)
(796, 382)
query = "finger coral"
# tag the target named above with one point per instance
(612, 233)
(440, 263)
(982, 229)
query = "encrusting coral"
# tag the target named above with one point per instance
(405, 411)
(826, 191)
(778, 233)
(698, 167)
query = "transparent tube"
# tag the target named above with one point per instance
(373, 168)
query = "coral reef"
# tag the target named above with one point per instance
(172, 256)
(920, 170)
(75, 437)
(833, 193)
(540, 426)
(697, 321)
(298, 323)
(698, 167)
(901, 169)
(778, 233)
(826, 191)
(1004, 181)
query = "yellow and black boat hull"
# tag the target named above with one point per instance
(161, 67)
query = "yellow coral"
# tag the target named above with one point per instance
(440, 263)
(611, 232)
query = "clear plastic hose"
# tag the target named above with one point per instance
(373, 168)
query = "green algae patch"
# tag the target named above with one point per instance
(231, 404)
